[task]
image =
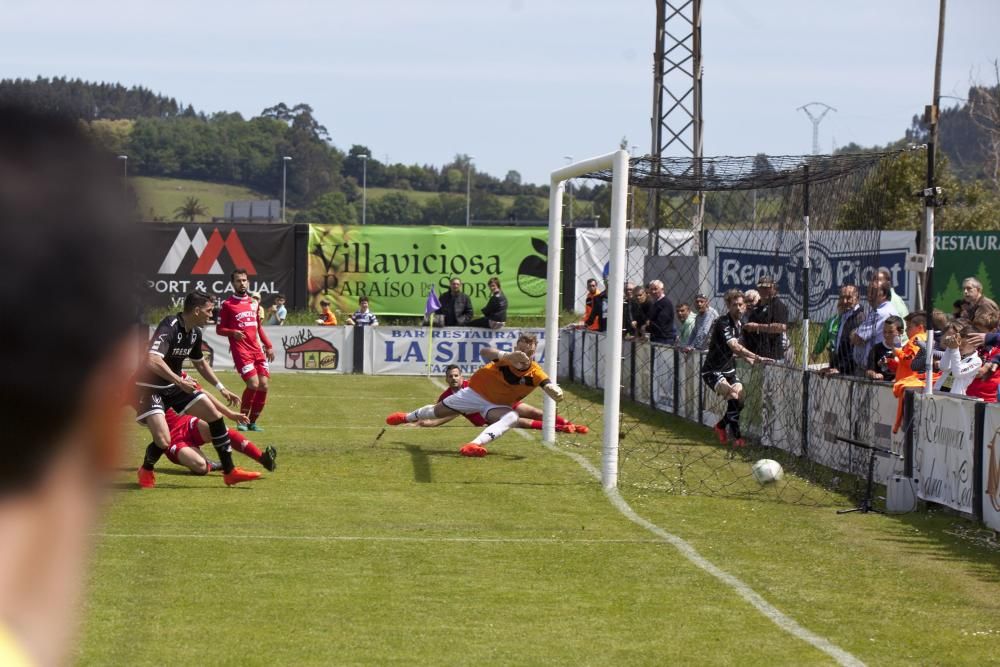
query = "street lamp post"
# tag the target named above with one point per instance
(284, 182)
(124, 159)
(569, 191)
(364, 187)
(468, 191)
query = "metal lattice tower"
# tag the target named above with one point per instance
(677, 96)
(816, 120)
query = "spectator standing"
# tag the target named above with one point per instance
(598, 318)
(277, 313)
(703, 321)
(638, 312)
(751, 297)
(661, 316)
(975, 301)
(850, 318)
(363, 316)
(326, 316)
(826, 341)
(884, 277)
(456, 308)
(495, 311)
(259, 309)
(588, 306)
(768, 321)
(685, 320)
(865, 336)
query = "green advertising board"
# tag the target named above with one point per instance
(961, 255)
(395, 267)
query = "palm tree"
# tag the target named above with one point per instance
(191, 209)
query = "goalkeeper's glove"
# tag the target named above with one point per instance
(553, 391)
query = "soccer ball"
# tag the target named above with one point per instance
(766, 471)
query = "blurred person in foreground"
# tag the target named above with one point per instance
(62, 216)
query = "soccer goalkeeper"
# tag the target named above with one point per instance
(492, 392)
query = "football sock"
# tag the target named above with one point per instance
(426, 412)
(535, 424)
(494, 431)
(246, 401)
(241, 444)
(153, 454)
(220, 440)
(259, 398)
(561, 421)
(733, 409)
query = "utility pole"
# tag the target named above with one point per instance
(816, 120)
(931, 192)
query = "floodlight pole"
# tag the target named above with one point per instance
(468, 191)
(364, 187)
(284, 180)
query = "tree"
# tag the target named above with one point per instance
(983, 276)
(445, 209)
(486, 206)
(984, 110)
(395, 208)
(528, 207)
(949, 295)
(191, 208)
(332, 209)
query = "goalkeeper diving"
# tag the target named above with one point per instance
(492, 392)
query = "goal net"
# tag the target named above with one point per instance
(809, 225)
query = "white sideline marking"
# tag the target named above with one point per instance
(373, 538)
(772, 613)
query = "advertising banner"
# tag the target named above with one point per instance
(593, 254)
(943, 449)
(404, 350)
(837, 258)
(991, 467)
(180, 258)
(961, 255)
(314, 349)
(395, 267)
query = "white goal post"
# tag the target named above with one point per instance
(618, 162)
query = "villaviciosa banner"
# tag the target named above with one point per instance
(395, 267)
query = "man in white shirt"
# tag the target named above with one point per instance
(867, 334)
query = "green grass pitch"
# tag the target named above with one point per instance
(359, 551)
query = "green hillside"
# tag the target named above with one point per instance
(160, 197)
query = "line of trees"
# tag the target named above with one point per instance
(164, 138)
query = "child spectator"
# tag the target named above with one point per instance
(363, 316)
(278, 312)
(882, 360)
(960, 361)
(255, 297)
(326, 317)
(986, 384)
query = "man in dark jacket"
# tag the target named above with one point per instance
(495, 311)
(661, 316)
(456, 308)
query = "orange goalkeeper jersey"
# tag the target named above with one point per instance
(499, 382)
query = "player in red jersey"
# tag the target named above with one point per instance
(528, 415)
(188, 434)
(239, 321)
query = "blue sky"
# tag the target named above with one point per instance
(519, 84)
